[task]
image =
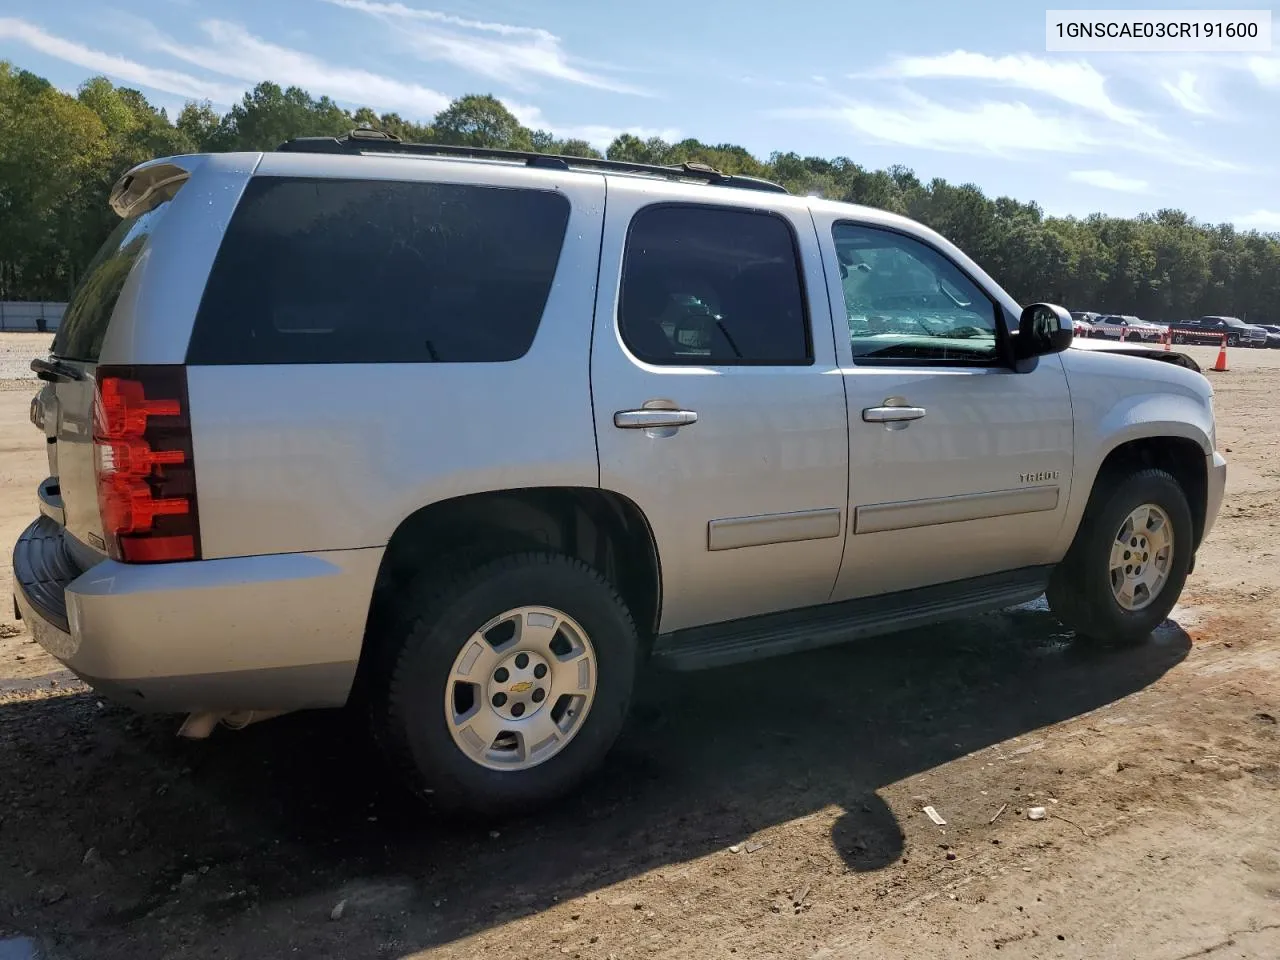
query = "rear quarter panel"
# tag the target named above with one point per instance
(313, 457)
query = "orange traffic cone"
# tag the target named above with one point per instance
(1220, 365)
(1123, 332)
(1167, 337)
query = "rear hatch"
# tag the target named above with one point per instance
(65, 407)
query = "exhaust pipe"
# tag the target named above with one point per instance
(198, 726)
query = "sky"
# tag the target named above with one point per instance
(962, 91)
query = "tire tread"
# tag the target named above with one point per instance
(430, 596)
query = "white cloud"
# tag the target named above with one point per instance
(1075, 82)
(1265, 69)
(1185, 94)
(117, 68)
(234, 52)
(1108, 180)
(598, 135)
(983, 128)
(1268, 221)
(499, 51)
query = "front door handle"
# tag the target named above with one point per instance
(892, 414)
(651, 418)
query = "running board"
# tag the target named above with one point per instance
(775, 634)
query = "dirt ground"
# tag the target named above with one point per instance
(765, 811)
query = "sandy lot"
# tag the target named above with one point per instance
(765, 811)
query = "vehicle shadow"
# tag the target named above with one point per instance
(299, 806)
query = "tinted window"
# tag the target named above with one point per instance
(905, 301)
(84, 324)
(712, 286)
(347, 271)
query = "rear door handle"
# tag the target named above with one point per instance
(892, 414)
(648, 419)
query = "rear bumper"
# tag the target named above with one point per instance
(275, 632)
(1217, 470)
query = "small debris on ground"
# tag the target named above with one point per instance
(1037, 813)
(936, 817)
(338, 910)
(1003, 808)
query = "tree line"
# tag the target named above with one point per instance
(60, 154)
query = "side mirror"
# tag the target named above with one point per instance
(1044, 328)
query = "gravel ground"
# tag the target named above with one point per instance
(764, 811)
(16, 351)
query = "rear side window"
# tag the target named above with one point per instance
(713, 286)
(84, 324)
(377, 271)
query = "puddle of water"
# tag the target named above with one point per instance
(20, 948)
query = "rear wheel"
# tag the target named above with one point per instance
(509, 686)
(1179, 338)
(1128, 562)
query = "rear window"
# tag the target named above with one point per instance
(353, 271)
(84, 324)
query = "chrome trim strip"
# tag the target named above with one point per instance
(905, 514)
(734, 532)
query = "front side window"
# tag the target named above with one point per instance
(906, 302)
(713, 286)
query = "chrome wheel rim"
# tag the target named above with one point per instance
(1141, 557)
(520, 688)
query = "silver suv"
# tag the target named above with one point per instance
(466, 437)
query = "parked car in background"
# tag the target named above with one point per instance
(1211, 330)
(1126, 327)
(1083, 322)
(1273, 335)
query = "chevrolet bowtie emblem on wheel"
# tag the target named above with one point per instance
(522, 687)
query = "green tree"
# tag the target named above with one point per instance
(52, 150)
(268, 116)
(60, 155)
(481, 120)
(199, 123)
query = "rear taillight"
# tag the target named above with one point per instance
(142, 456)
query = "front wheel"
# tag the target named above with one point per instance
(1233, 341)
(511, 684)
(1179, 338)
(1128, 562)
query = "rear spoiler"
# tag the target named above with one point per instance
(150, 183)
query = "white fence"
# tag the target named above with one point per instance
(25, 315)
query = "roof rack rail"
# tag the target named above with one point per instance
(365, 140)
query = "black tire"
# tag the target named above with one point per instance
(407, 699)
(1179, 338)
(1080, 592)
(1233, 341)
